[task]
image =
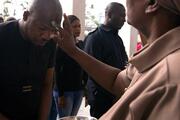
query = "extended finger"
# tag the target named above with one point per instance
(67, 25)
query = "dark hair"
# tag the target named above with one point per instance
(72, 18)
(112, 7)
(1, 19)
(10, 19)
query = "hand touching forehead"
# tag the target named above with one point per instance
(66, 39)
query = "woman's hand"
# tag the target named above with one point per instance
(65, 39)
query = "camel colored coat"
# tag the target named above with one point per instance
(154, 77)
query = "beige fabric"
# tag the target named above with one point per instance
(154, 92)
(172, 5)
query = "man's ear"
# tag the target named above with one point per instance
(152, 5)
(26, 15)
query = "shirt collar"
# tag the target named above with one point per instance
(102, 26)
(155, 52)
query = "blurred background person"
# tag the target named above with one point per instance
(107, 46)
(141, 41)
(69, 76)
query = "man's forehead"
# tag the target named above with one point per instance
(51, 25)
(42, 15)
(47, 21)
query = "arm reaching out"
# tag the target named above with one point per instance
(104, 74)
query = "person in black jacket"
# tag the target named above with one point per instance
(106, 45)
(69, 76)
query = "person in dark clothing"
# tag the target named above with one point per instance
(106, 45)
(69, 76)
(27, 53)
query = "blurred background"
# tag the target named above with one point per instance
(91, 13)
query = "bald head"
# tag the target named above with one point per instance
(113, 6)
(36, 25)
(46, 10)
(115, 15)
